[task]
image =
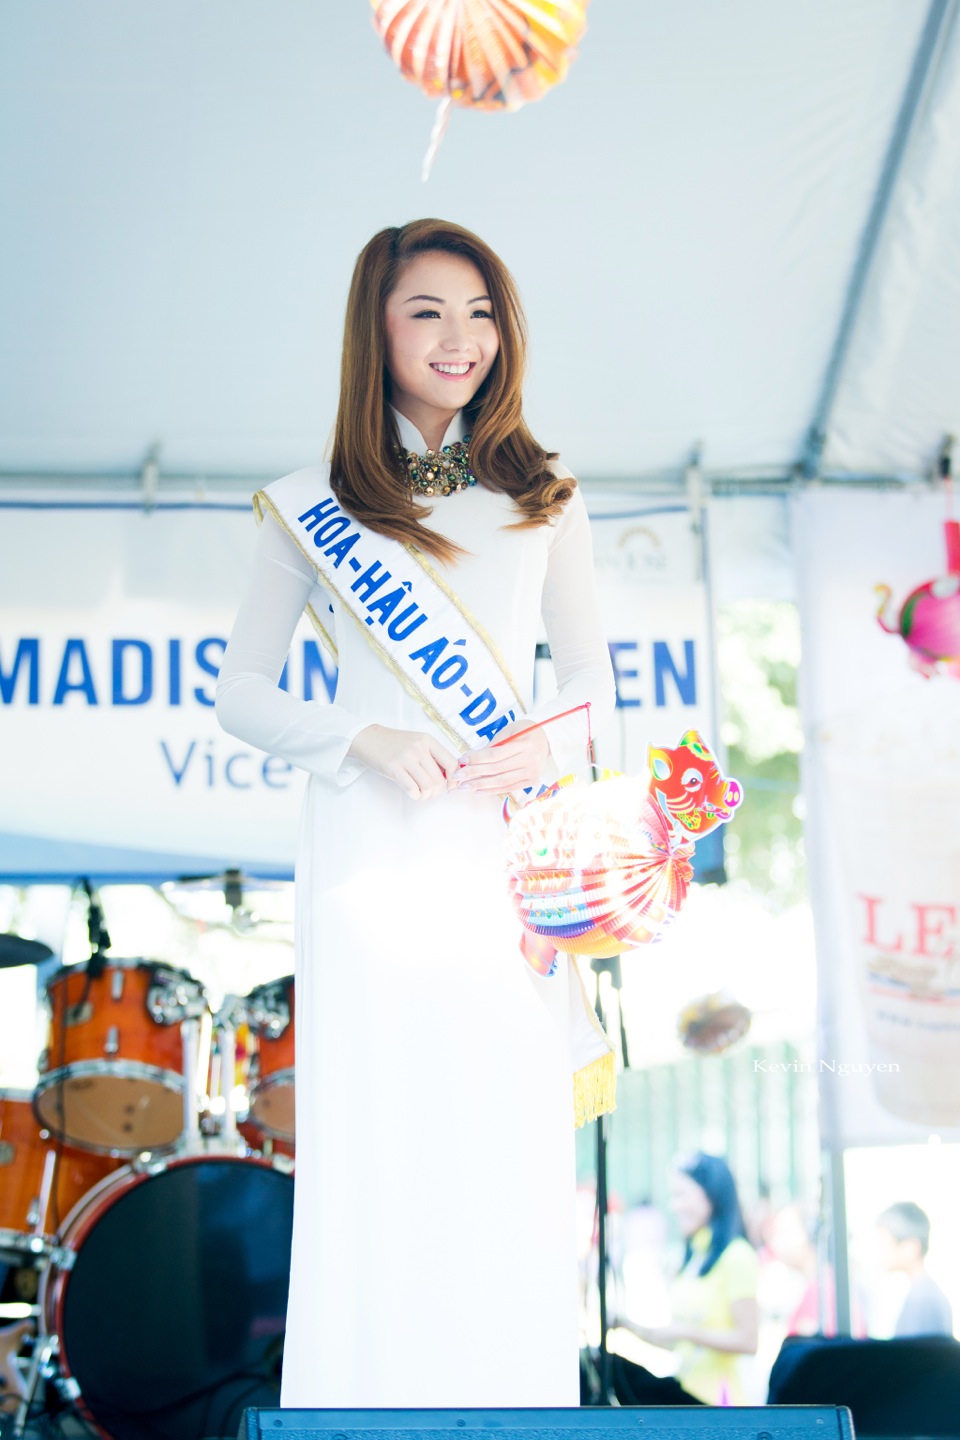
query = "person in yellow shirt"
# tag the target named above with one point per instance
(713, 1302)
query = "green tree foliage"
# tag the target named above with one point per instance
(758, 656)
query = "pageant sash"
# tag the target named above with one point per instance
(409, 614)
(444, 658)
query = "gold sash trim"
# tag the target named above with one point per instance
(262, 502)
(594, 1083)
(471, 620)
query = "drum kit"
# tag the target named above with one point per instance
(150, 1227)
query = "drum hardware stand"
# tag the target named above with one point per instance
(211, 1049)
(227, 1045)
(13, 1368)
(190, 1141)
(606, 966)
(232, 1013)
(99, 939)
(42, 1367)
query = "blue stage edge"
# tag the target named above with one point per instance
(767, 1422)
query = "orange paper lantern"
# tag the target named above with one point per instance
(483, 54)
(712, 1023)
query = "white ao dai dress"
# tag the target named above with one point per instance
(434, 1242)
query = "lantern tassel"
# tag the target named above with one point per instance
(595, 1089)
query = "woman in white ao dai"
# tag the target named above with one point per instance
(434, 1247)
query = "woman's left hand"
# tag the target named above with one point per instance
(507, 765)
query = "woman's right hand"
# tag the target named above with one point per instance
(420, 765)
(665, 1336)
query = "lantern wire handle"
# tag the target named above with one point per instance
(591, 756)
(441, 121)
(951, 527)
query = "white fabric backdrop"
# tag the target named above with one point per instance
(186, 188)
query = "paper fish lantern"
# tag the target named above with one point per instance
(598, 869)
(712, 1023)
(483, 54)
(480, 54)
(929, 619)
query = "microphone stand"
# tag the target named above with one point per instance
(97, 932)
(96, 964)
(606, 966)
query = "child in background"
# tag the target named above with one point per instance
(905, 1239)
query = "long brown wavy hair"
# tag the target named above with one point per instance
(365, 473)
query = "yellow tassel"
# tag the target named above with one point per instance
(595, 1089)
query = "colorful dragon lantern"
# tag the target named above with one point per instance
(598, 869)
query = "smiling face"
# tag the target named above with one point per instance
(689, 1203)
(441, 339)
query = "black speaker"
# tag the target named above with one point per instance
(788, 1422)
(635, 1385)
(892, 1387)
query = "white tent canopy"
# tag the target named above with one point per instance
(731, 223)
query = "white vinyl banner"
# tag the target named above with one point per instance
(653, 593)
(883, 780)
(113, 622)
(113, 626)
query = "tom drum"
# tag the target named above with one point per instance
(270, 1015)
(112, 1076)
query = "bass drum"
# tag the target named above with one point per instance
(170, 1298)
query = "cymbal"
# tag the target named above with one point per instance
(14, 950)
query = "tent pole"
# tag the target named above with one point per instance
(939, 22)
(833, 1260)
(836, 1242)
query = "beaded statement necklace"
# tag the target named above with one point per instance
(439, 472)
